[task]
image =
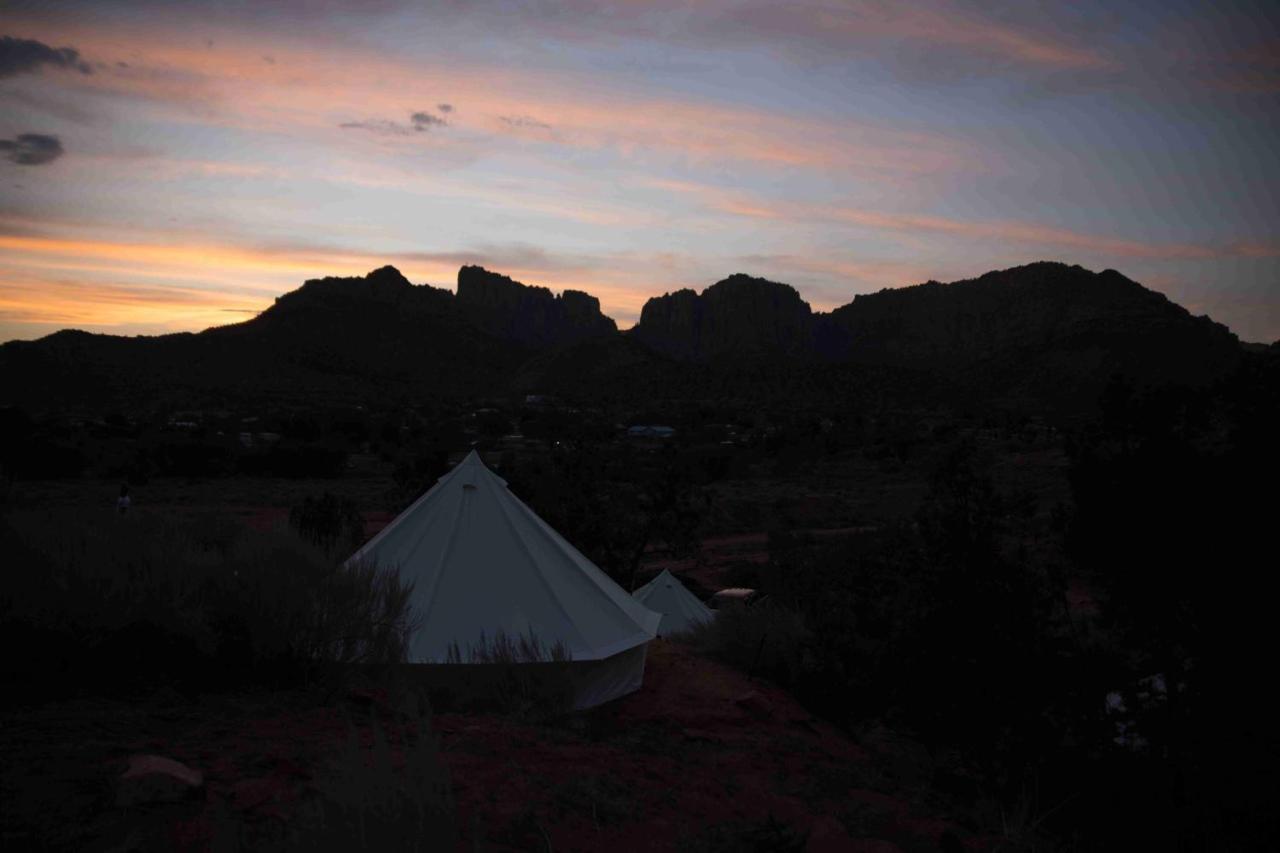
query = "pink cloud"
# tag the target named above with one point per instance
(314, 88)
(1029, 233)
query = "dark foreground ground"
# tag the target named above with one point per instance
(702, 758)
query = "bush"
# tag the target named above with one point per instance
(769, 835)
(504, 649)
(367, 803)
(766, 639)
(368, 799)
(328, 522)
(295, 460)
(153, 597)
(606, 798)
(518, 676)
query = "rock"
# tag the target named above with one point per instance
(1073, 321)
(527, 314)
(756, 705)
(156, 779)
(739, 315)
(1043, 329)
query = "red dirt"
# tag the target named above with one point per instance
(699, 746)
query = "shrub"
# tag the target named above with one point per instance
(518, 676)
(367, 799)
(367, 803)
(148, 596)
(769, 835)
(504, 649)
(328, 522)
(766, 639)
(604, 797)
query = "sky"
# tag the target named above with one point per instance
(169, 166)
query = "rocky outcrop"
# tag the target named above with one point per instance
(1044, 334)
(736, 316)
(1065, 318)
(527, 314)
(383, 286)
(1039, 332)
(152, 779)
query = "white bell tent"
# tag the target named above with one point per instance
(484, 567)
(681, 610)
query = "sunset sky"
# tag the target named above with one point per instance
(171, 166)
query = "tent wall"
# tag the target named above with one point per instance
(596, 682)
(574, 685)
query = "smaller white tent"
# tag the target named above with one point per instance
(680, 609)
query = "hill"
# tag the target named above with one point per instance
(1045, 333)
(734, 317)
(1044, 336)
(333, 339)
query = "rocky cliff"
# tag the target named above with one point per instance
(1059, 316)
(1043, 331)
(1041, 336)
(527, 314)
(736, 316)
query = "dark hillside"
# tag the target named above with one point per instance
(1038, 339)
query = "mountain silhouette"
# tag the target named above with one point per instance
(1046, 330)
(736, 316)
(529, 315)
(1044, 335)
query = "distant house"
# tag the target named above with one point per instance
(185, 420)
(733, 595)
(650, 431)
(515, 441)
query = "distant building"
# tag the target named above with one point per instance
(650, 431)
(733, 595)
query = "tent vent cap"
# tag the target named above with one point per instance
(470, 487)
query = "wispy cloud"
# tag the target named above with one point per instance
(922, 38)
(24, 56)
(638, 146)
(378, 125)
(523, 121)
(1016, 231)
(418, 122)
(425, 120)
(36, 305)
(351, 89)
(31, 149)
